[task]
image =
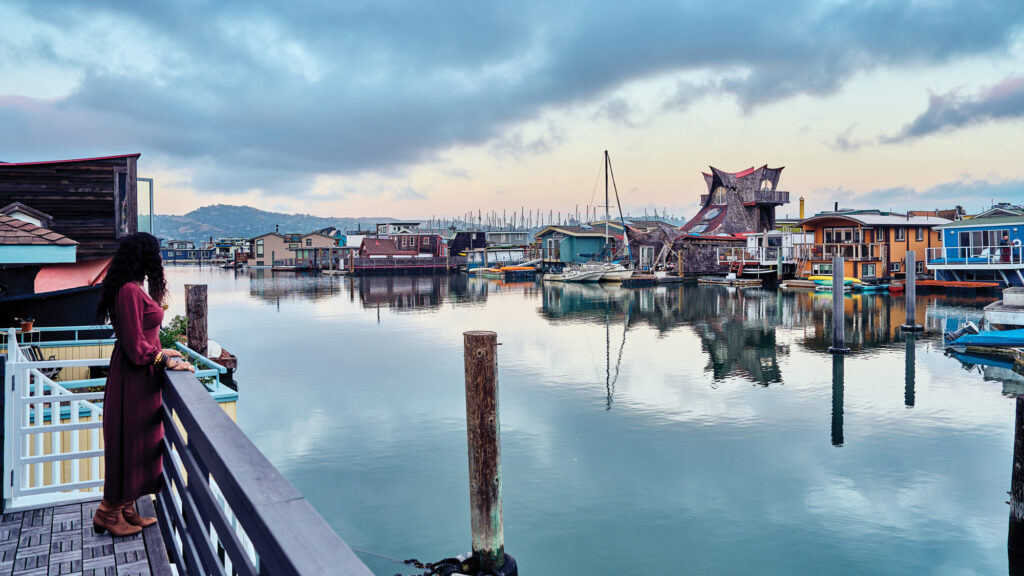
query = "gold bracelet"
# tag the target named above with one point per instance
(159, 358)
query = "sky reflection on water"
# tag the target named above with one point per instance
(676, 429)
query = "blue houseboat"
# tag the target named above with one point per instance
(561, 245)
(184, 251)
(986, 248)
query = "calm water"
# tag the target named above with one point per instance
(696, 430)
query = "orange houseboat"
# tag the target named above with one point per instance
(873, 243)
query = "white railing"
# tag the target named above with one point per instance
(848, 250)
(760, 254)
(976, 256)
(52, 445)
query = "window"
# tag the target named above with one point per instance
(178, 253)
(919, 234)
(828, 236)
(309, 241)
(426, 240)
(901, 235)
(259, 248)
(868, 270)
(894, 267)
(821, 269)
(293, 246)
(920, 267)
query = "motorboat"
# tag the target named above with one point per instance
(616, 272)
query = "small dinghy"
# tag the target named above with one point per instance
(993, 338)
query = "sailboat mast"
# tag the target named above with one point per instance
(606, 202)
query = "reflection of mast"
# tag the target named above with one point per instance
(837, 399)
(607, 361)
(610, 387)
(908, 392)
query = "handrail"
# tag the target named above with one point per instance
(200, 359)
(262, 523)
(971, 255)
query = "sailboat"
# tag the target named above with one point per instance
(614, 271)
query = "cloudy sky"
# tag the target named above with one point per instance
(413, 109)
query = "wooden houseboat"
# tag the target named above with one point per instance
(736, 205)
(873, 243)
(91, 202)
(985, 248)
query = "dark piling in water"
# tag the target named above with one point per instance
(838, 312)
(483, 431)
(1015, 541)
(910, 370)
(910, 290)
(838, 361)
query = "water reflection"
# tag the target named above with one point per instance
(838, 374)
(270, 286)
(910, 369)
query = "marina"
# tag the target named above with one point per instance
(759, 380)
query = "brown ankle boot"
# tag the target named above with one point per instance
(109, 519)
(132, 516)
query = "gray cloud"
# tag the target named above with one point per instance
(845, 141)
(618, 110)
(268, 96)
(953, 110)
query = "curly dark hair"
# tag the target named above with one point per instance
(137, 259)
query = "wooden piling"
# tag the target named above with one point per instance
(838, 312)
(1015, 541)
(910, 292)
(483, 434)
(195, 311)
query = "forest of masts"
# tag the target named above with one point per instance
(528, 220)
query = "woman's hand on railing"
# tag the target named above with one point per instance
(171, 353)
(179, 364)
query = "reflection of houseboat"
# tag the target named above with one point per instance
(66, 218)
(986, 248)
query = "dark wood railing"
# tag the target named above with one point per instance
(225, 509)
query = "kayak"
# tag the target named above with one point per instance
(991, 338)
(846, 279)
(870, 287)
(829, 283)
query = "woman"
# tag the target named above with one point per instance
(132, 404)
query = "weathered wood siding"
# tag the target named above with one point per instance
(81, 195)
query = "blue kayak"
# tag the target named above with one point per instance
(992, 338)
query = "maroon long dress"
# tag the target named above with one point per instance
(133, 429)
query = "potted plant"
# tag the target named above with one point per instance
(26, 323)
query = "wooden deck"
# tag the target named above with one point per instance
(60, 540)
(956, 284)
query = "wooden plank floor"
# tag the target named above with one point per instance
(60, 540)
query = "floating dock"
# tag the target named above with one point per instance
(722, 281)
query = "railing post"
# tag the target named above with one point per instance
(838, 312)
(909, 370)
(195, 306)
(911, 294)
(483, 431)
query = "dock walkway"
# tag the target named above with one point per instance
(60, 540)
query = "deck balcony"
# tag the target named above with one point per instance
(224, 508)
(857, 252)
(757, 255)
(976, 258)
(757, 197)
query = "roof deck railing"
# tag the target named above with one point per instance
(855, 251)
(967, 257)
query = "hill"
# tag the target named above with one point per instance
(226, 221)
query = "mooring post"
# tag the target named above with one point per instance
(1016, 532)
(910, 370)
(483, 432)
(911, 293)
(195, 313)
(838, 313)
(838, 371)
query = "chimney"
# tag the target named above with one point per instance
(277, 228)
(801, 207)
(837, 207)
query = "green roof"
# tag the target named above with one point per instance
(985, 221)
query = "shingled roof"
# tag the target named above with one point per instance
(14, 232)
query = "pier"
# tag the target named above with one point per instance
(224, 508)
